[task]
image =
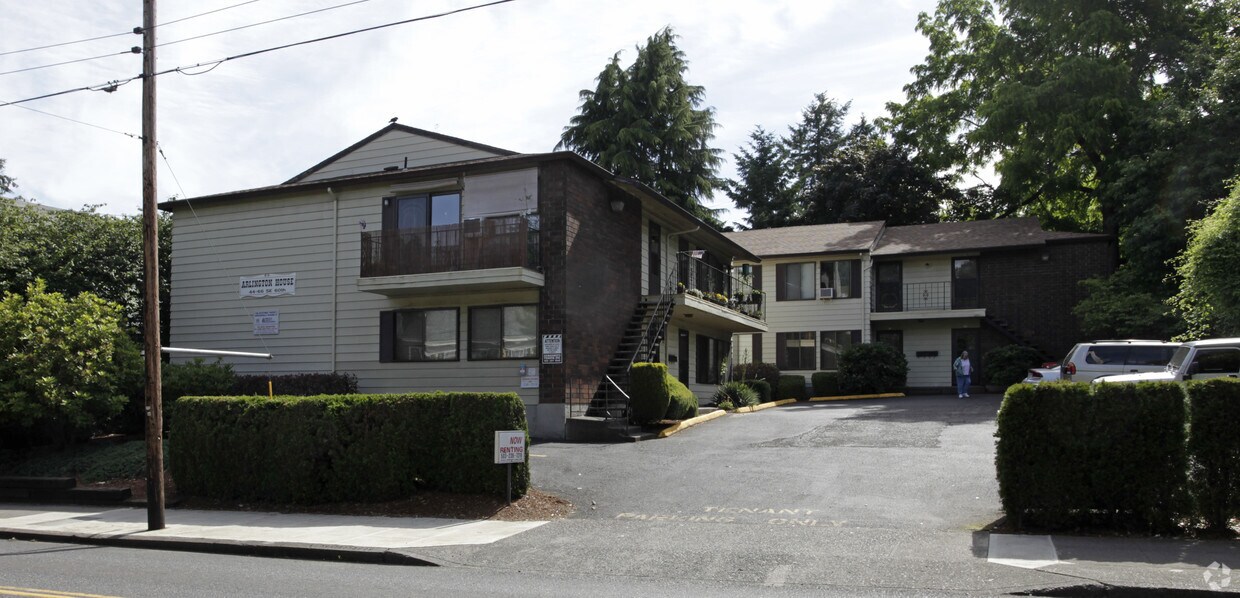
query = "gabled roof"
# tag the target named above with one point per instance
(465, 143)
(811, 239)
(1005, 233)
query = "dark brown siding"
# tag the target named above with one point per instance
(1036, 295)
(592, 269)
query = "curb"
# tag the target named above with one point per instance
(689, 423)
(762, 406)
(282, 550)
(885, 395)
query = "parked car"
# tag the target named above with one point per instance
(1039, 375)
(1195, 360)
(1086, 361)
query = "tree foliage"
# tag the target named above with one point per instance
(65, 364)
(1098, 115)
(81, 251)
(647, 122)
(1209, 295)
(824, 172)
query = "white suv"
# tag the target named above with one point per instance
(1087, 361)
(1195, 360)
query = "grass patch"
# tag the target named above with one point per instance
(88, 463)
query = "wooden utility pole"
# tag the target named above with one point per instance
(150, 271)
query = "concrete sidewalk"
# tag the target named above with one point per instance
(330, 537)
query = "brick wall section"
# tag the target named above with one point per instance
(1036, 296)
(592, 276)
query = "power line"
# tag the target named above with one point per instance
(137, 50)
(138, 30)
(112, 85)
(261, 23)
(80, 122)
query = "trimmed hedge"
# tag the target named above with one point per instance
(1113, 455)
(336, 448)
(1213, 410)
(757, 371)
(825, 384)
(298, 385)
(792, 386)
(762, 387)
(1009, 364)
(870, 368)
(651, 395)
(684, 403)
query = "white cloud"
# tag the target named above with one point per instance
(506, 76)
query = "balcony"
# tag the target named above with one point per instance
(709, 297)
(495, 254)
(926, 300)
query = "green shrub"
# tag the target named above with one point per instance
(1009, 364)
(197, 377)
(336, 448)
(792, 386)
(297, 385)
(757, 371)
(650, 394)
(1214, 446)
(826, 384)
(1041, 440)
(726, 406)
(66, 365)
(870, 368)
(684, 403)
(738, 394)
(763, 388)
(1067, 455)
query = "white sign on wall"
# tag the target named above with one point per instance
(510, 446)
(267, 322)
(553, 348)
(268, 285)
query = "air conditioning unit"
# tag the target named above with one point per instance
(826, 293)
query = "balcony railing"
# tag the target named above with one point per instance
(503, 242)
(699, 279)
(924, 296)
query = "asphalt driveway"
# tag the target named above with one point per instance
(886, 463)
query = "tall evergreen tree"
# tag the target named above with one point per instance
(648, 123)
(762, 187)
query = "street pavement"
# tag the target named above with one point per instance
(876, 496)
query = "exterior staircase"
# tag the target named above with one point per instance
(640, 342)
(1004, 328)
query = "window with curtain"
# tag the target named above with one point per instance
(795, 282)
(424, 335)
(503, 332)
(835, 342)
(795, 350)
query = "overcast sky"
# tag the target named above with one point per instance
(506, 75)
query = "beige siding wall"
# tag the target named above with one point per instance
(928, 335)
(670, 347)
(294, 234)
(813, 315)
(391, 150)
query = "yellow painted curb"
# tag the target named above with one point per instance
(885, 395)
(762, 406)
(689, 423)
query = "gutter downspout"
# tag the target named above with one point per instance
(335, 273)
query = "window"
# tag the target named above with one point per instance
(843, 277)
(894, 338)
(503, 332)
(422, 211)
(1216, 361)
(794, 282)
(835, 342)
(418, 335)
(964, 283)
(1160, 355)
(1104, 354)
(795, 350)
(710, 352)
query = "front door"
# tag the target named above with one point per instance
(890, 286)
(967, 339)
(965, 283)
(654, 282)
(682, 347)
